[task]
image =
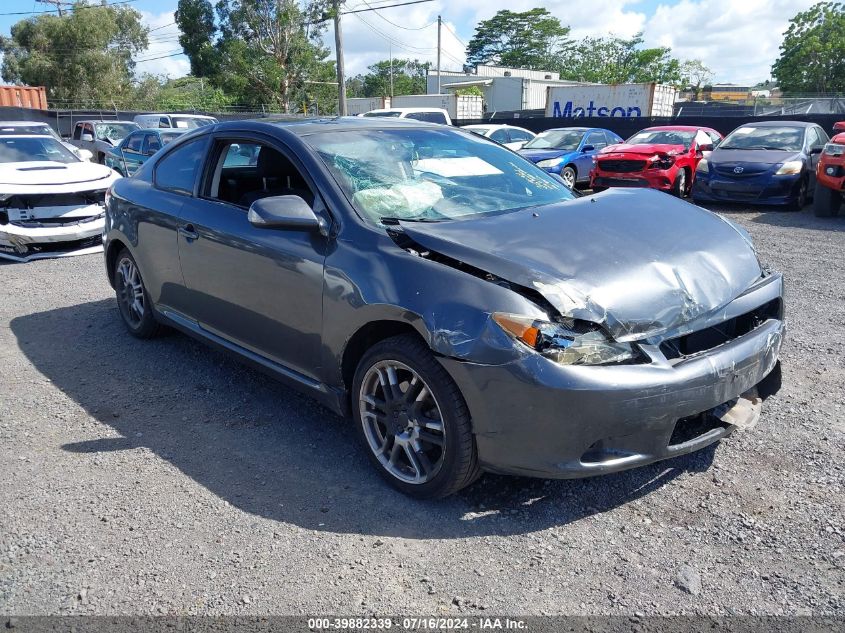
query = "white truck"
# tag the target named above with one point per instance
(98, 137)
(611, 100)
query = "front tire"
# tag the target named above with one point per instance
(136, 309)
(569, 176)
(679, 187)
(826, 201)
(412, 420)
(801, 200)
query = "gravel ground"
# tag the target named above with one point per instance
(163, 477)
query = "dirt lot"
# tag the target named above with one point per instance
(162, 477)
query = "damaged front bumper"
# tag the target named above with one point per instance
(47, 232)
(535, 417)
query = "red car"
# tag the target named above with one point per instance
(839, 127)
(661, 157)
(830, 178)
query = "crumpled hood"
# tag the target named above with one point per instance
(34, 177)
(536, 155)
(639, 262)
(647, 150)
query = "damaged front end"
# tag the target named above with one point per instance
(44, 225)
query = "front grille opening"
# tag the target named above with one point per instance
(709, 338)
(621, 166)
(694, 426)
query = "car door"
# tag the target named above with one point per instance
(131, 156)
(258, 288)
(816, 139)
(152, 143)
(592, 144)
(157, 252)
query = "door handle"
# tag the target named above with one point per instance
(188, 232)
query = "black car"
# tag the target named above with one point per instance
(465, 307)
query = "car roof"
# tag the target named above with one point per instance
(777, 124)
(306, 126)
(676, 128)
(104, 121)
(407, 110)
(168, 130)
(22, 123)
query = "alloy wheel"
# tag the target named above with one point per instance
(130, 292)
(568, 177)
(402, 422)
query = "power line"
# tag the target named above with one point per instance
(388, 6)
(398, 26)
(76, 8)
(401, 45)
(162, 26)
(449, 28)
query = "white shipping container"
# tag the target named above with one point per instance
(616, 100)
(359, 105)
(461, 107)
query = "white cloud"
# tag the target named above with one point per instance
(163, 42)
(739, 41)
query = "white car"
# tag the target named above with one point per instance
(51, 202)
(39, 128)
(510, 136)
(430, 115)
(181, 121)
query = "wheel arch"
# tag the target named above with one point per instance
(115, 246)
(365, 337)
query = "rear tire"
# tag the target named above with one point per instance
(826, 201)
(133, 300)
(419, 438)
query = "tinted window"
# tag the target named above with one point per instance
(164, 122)
(133, 143)
(596, 139)
(520, 135)
(77, 132)
(500, 136)
(178, 170)
(429, 117)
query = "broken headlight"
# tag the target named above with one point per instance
(570, 343)
(661, 162)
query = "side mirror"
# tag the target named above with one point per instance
(285, 212)
(88, 138)
(84, 154)
(588, 148)
(705, 147)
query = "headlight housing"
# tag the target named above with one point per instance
(661, 162)
(568, 343)
(549, 162)
(703, 166)
(834, 149)
(790, 168)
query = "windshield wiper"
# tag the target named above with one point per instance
(391, 221)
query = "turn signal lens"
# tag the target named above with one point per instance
(571, 343)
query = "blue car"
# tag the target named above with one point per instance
(771, 163)
(133, 151)
(569, 151)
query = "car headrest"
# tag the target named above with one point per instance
(272, 164)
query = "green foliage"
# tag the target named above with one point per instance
(531, 39)
(695, 74)
(409, 78)
(812, 55)
(83, 56)
(470, 91)
(195, 19)
(614, 60)
(259, 51)
(176, 95)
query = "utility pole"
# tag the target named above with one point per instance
(391, 71)
(439, 24)
(56, 3)
(338, 44)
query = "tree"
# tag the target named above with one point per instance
(84, 56)
(409, 78)
(614, 60)
(531, 39)
(195, 19)
(812, 55)
(695, 74)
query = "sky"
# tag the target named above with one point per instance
(737, 39)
